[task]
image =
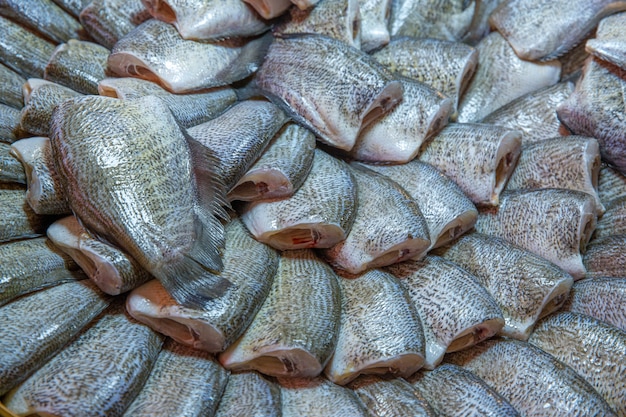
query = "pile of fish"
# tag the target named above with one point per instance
(313, 207)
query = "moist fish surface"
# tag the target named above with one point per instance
(611, 184)
(17, 219)
(249, 394)
(22, 51)
(107, 21)
(374, 23)
(609, 43)
(40, 99)
(442, 19)
(613, 222)
(11, 88)
(605, 257)
(10, 129)
(603, 298)
(11, 169)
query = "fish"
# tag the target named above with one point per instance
(328, 87)
(269, 9)
(479, 28)
(442, 19)
(78, 65)
(390, 397)
(22, 51)
(9, 124)
(609, 43)
(531, 380)
(248, 264)
(188, 109)
(399, 134)
(374, 23)
(208, 20)
(295, 331)
(501, 77)
(449, 65)
(100, 372)
(533, 114)
(454, 391)
(45, 193)
(17, 219)
(40, 99)
(137, 160)
(552, 223)
(613, 222)
(380, 331)
(108, 21)
(73, 7)
(573, 61)
(337, 19)
(113, 271)
(37, 326)
(249, 394)
(479, 158)
(238, 136)
(281, 169)
(198, 379)
(554, 28)
(592, 348)
(568, 162)
(525, 286)
(590, 110)
(456, 311)
(318, 397)
(447, 210)
(318, 215)
(11, 88)
(611, 184)
(388, 227)
(156, 52)
(305, 4)
(603, 298)
(605, 257)
(11, 169)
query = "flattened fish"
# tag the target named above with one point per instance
(11, 88)
(11, 169)
(603, 298)
(605, 257)
(249, 394)
(40, 99)
(107, 21)
(21, 50)
(440, 19)
(610, 41)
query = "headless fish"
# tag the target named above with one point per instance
(249, 394)
(440, 19)
(11, 169)
(10, 129)
(374, 23)
(40, 99)
(73, 7)
(605, 257)
(603, 298)
(480, 27)
(327, 86)
(11, 88)
(611, 185)
(17, 219)
(613, 222)
(108, 21)
(269, 9)
(24, 52)
(610, 42)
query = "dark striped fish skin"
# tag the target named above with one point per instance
(11, 169)
(78, 65)
(603, 298)
(447, 19)
(99, 373)
(107, 21)
(611, 185)
(197, 379)
(250, 394)
(613, 222)
(532, 381)
(9, 124)
(454, 391)
(37, 326)
(385, 397)
(11, 88)
(534, 113)
(22, 51)
(17, 219)
(374, 23)
(609, 43)
(605, 257)
(40, 98)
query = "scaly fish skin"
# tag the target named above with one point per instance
(107, 21)
(11, 169)
(603, 298)
(374, 23)
(613, 222)
(40, 98)
(605, 257)
(22, 51)
(610, 42)
(611, 185)
(11, 88)
(73, 7)
(250, 394)
(440, 19)
(17, 219)
(9, 124)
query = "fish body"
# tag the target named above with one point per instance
(603, 298)
(40, 99)
(9, 124)
(108, 21)
(440, 19)
(11, 169)
(611, 185)
(22, 51)
(613, 222)
(610, 42)
(605, 257)
(17, 219)
(269, 9)
(374, 23)
(249, 394)
(11, 88)
(73, 7)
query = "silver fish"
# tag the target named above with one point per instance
(390, 397)
(380, 330)
(533, 114)
(453, 391)
(199, 382)
(440, 19)
(107, 21)
(78, 65)
(73, 7)
(605, 257)
(11, 169)
(281, 169)
(388, 227)
(269, 9)
(610, 42)
(9, 124)
(613, 222)
(188, 109)
(446, 209)
(456, 311)
(479, 158)
(611, 185)
(208, 20)
(249, 394)
(24, 52)
(109, 268)
(238, 136)
(38, 325)
(338, 19)
(540, 30)
(479, 28)
(155, 51)
(374, 23)
(295, 331)
(532, 381)
(45, 193)
(40, 99)
(502, 77)
(525, 286)
(398, 135)
(248, 264)
(603, 298)
(17, 219)
(32, 264)
(327, 86)
(318, 215)
(591, 110)
(135, 153)
(11, 88)
(554, 224)
(569, 162)
(572, 62)
(99, 373)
